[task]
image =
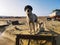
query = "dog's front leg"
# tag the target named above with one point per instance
(33, 24)
(30, 28)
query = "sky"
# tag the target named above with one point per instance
(16, 7)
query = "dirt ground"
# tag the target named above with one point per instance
(7, 37)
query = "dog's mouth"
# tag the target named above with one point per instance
(28, 14)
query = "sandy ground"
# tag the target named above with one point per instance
(8, 37)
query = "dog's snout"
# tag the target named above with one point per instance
(27, 10)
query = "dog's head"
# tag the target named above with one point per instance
(28, 9)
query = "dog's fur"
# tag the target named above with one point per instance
(32, 22)
(31, 18)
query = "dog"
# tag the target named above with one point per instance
(31, 18)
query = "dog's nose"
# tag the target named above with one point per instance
(27, 10)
